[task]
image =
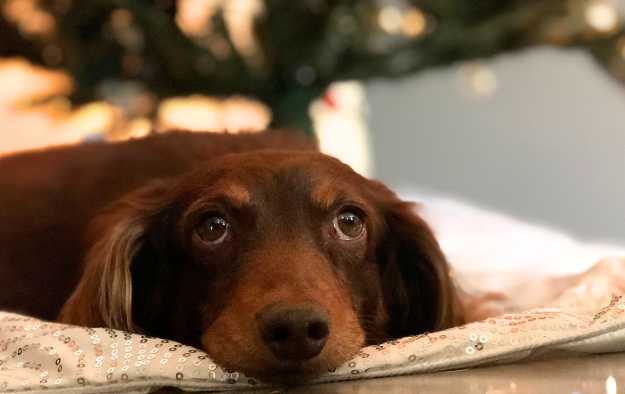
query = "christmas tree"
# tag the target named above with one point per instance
(285, 52)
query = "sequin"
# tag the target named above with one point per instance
(54, 356)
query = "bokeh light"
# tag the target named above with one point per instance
(602, 16)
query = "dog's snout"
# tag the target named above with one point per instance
(294, 334)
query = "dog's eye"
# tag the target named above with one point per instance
(348, 226)
(213, 230)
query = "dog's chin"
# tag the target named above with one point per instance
(290, 373)
(272, 371)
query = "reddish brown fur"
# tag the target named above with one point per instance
(146, 271)
(266, 283)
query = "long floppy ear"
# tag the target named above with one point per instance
(418, 291)
(103, 296)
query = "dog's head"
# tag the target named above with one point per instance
(278, 264)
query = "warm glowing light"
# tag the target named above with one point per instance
(29, 17)
(21, 81)
(140, 127)
(195, 113)
(35, 123)
(602, 16)
(481, 80)
(610, 385)
(136, 128)
(201, 113)
(193, 17)
(242, 114)
(97, 117)
(390, 19)
(240, 17)
(414, 23)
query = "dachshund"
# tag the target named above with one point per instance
(278, 261)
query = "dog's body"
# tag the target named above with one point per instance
(281, 260)
(48, 198)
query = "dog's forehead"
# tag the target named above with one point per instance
(285, 165)
(281, 159)
(294, 173)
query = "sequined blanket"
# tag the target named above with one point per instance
(588, 317)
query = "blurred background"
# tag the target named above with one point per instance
(514, 106)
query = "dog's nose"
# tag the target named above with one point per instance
(294, 334)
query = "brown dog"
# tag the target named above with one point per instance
(277, 260)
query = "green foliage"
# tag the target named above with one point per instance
(304, 45)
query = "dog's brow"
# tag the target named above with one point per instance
(233, 193)
(324, 195)
(236, 193)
